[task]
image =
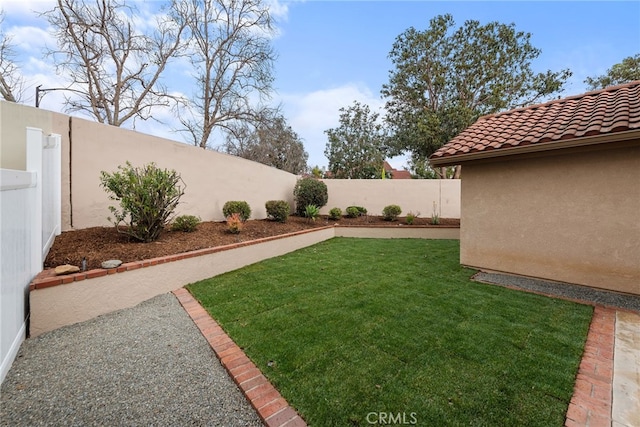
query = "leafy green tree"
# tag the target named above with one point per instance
(445, 78)
(626, 71)
(357, 148)
(317, 172)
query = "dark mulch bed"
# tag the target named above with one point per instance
(98, 244)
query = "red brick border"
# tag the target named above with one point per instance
(272, 408)
(47, 278)
(592, 398)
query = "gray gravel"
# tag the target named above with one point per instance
(144, 366)
(566, 290)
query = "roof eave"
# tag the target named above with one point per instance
(536, 148)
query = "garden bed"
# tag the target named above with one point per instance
(98, 244)
(154, 268)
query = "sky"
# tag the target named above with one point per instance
(332, 53)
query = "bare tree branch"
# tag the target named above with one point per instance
(116, 68)
(232, 62)
(11, 81)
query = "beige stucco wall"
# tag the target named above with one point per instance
(57, 306)
(14, 119)
(399, 232)
(211, 178)
(572, 218)
(415, 195)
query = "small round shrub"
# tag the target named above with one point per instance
(335, 213)
(310, 191)
(278, 210)
(391, 212)
(186, 223)
(240, 207)
(356, 211)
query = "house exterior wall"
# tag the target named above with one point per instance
(570, 217)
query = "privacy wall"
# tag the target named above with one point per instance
(420, 196)
(211, 178)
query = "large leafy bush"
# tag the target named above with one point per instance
(310, 191)
(148, 196)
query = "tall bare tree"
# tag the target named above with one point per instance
(113, 67)
(11, 81)
(232, 60)
(272, 142)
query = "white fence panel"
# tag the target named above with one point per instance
(51, 197)
(29, 221)
(17, 196)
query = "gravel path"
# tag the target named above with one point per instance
(143, 366)
(566, 290)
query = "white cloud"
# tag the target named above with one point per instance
(310, 114)
(278, 9)
(30, 40)
(26, 8)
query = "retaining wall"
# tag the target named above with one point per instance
(57, 301)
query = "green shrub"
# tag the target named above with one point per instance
(435, 218)
(278, 210)
(186, 223)
(234, 223)
(335, 213)
(391, 212)
(312, 212)
(310, 191)
(240, 207)
(411, 217)
(148, 196)
(356, 211)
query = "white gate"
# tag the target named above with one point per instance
(30, 214)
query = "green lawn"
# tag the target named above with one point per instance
(351, 328)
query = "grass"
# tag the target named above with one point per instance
(351, 328)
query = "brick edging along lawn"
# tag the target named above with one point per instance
(592, 394)
(271, 407)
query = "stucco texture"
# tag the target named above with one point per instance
(565, 216)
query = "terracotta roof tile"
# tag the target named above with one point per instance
(614, 109)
